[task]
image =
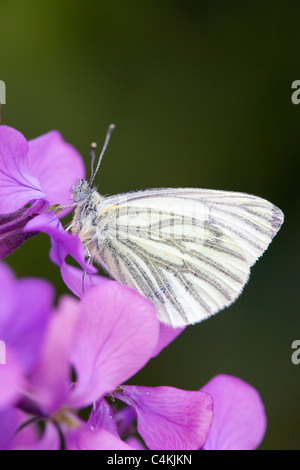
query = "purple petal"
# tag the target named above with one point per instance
(28, 438)
(27, 327)
(72, 277)
(51, 377)
(8, 297)
(12, 225)
(8, 425)
(239, 417)
(98, 439)
(167, 334)
(169, 418)
(25, 307)
(116, 334)
(18, 219)
(11, 241)
(102, 417)
(11, 377)
(57, 165)
(63, 243)
(17, 186)
(135, 443)
(125, 419)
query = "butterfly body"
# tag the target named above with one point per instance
(87, 202)
(187, 250)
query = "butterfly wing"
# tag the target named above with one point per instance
(250, 220)
(188, 250)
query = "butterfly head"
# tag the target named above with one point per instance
(81, 191)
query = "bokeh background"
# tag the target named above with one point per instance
(200, 93)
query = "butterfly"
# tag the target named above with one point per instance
(189, 251)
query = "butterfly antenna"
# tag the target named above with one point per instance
(110, 130)
(93, 155)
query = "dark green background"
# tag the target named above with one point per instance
(200, 93)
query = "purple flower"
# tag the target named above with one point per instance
(239, 421)
(101, 341)
(33, 176)
(25, 307)
(169, 418)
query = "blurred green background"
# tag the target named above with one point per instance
(200, 93)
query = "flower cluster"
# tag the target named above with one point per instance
(63, 381)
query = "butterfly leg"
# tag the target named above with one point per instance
(88, 259)
(68, 227)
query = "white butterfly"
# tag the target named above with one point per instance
(187, 250)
